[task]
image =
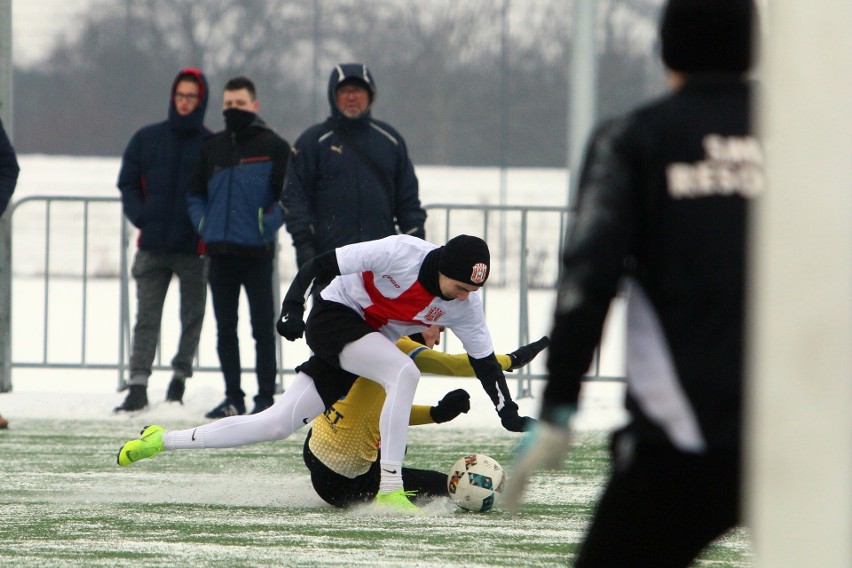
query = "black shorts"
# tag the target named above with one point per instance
(661, 506)
(341, 491)
(329, 328)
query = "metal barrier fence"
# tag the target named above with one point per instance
(50, 258)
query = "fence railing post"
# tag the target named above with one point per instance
(6, 301)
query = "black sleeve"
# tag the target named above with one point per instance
(323, 267)
(490, 374)
(593, 258)
(8, 169)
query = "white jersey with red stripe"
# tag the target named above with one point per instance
(379, 281)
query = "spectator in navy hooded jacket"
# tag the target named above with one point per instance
(233, 203)
(8, 180)
(155, 172)
(334, 196)
(8, 169)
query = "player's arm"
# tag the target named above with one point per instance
(291, 324)
(438, 363)
(454, 403)
(489, 373)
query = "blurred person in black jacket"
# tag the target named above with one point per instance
(664, 199)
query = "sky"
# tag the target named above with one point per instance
(37, 23)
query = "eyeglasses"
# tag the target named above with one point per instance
(186, 96)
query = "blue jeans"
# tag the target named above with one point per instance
(227, 275)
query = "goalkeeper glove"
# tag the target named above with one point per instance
(545, 446)
(453, 404)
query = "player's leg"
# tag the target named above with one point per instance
(377, 358)
(659, 509)
(425, 482)
(336, 489)
(300, 404)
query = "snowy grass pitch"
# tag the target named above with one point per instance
(65, 502)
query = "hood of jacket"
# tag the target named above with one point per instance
(349, 71)
(194, 121)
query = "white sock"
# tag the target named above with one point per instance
(391, 479)
(191, 439)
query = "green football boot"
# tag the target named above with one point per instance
(399, 501)
(148, 445)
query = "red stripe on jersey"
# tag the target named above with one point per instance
(402, 308)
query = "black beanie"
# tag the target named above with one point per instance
(466, 259)
(707, 36)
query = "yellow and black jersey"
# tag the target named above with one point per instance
(346, 437)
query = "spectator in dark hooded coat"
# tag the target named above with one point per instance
(350, 178)
(155, 172)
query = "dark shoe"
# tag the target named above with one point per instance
(177, 386)
(137, 399)
(3, 423)
(261, 404)
(226, 408)
(523, 355)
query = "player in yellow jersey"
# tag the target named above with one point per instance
(342, 447)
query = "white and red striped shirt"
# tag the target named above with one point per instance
(379, 281)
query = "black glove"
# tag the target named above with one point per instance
(512, 421)
(526, 353)
(304, 252)
(453, 404)
(290, 324)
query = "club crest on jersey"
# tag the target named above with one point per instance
(480, 271)
(434, 314)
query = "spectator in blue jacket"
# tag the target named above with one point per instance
(155, 171)
(233, 203)
(350, 179)
(8, 180)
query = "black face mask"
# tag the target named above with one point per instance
(237, 119)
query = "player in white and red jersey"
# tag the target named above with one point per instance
(385, 289)
(381, 291)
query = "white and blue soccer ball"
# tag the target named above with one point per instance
(474, 482)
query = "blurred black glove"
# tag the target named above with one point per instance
(526, 353)
(453, 404)
(510, 419)
(304, 252)
(418, 232)
(290, 324)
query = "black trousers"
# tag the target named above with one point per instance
(661, 507)
(341, 491)
(227, 275)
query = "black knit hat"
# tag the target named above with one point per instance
(466, 259)
(707, 36)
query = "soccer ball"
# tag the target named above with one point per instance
(474, 482)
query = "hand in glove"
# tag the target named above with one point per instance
(510, 419)
(453, 404)
(545, 446)
(521, 356)
(304, 252)
(290, 324)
